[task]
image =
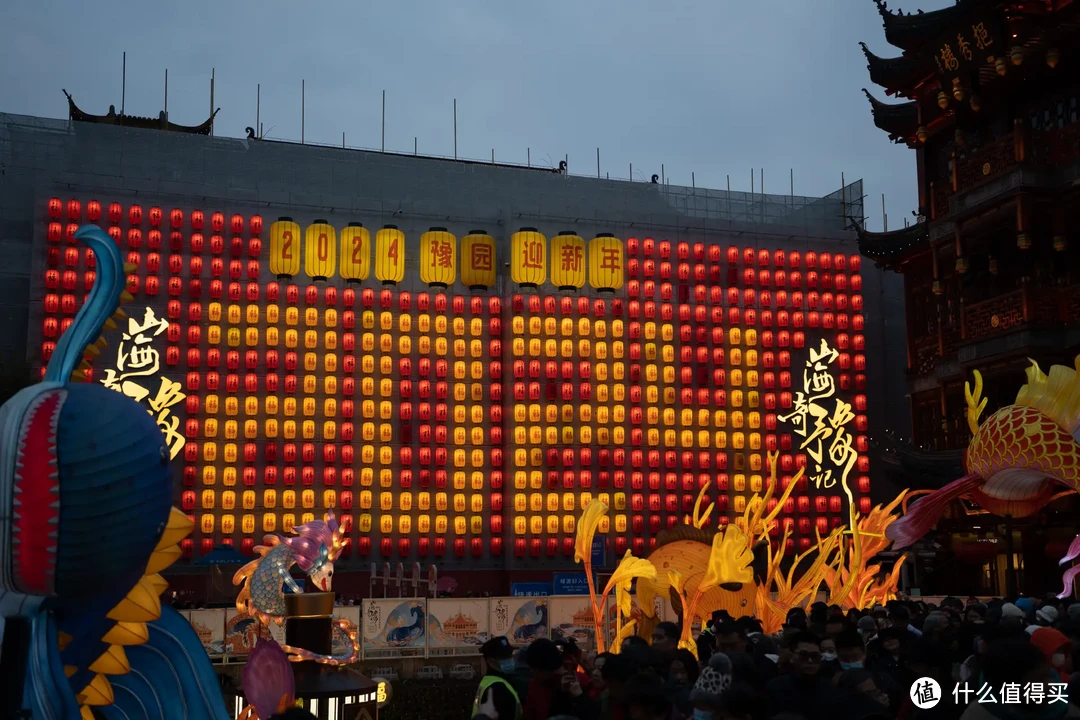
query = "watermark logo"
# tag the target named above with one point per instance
(925, 693)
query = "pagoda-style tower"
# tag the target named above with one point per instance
(989, 98)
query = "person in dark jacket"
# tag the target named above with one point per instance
(858, 695)
(553, 690)
(801, 690)
(498, 658)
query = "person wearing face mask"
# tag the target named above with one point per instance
(499, 666)
(1057, 649)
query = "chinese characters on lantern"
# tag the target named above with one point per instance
(823, 428)
(137, 366)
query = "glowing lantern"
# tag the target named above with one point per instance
(355, 252)
(528, 264)
(438, 257)
(284, 247)
(478, 260)
(320, 250)
(606, 262)
(567, 261)
(389, 255)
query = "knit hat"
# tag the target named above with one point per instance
(1047, 614)
(1008, 610)
(714, 679)
(1025, 604)
(1049, 640)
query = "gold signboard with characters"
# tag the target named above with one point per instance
(136, 372)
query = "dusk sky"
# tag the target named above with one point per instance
(713, 87)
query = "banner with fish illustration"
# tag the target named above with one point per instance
(394, 626)
(242, 632)
(520, 619)
(462, 625)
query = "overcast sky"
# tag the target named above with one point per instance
(713, 87)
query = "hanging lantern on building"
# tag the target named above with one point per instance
(390, 255)
(320, 250)
(528, 263)
(606, 262)
(355, 252)
(438, 257)
(285, 248)
(478, 260)
(567, 261)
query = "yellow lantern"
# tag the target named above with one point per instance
(285, 248)
(355, 252)
(528, 264)
(606, 262)
(478, 260)
(390, 255)
(568, 261)
(438, 257)
(320, 250)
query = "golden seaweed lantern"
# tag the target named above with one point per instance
(355, 252)
(390, 255)
(320, 250)
(606, 262)
(478, 260)
(438, 257)
(568, 260)
(528, 264)
(285, 248)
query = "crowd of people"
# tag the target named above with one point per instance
(908, 660)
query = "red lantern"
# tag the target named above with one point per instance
(55, 208)
(135, 215)
(217, 222)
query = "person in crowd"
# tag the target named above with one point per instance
(926, 659)
(901, 618)
(835, 625)
(867, 628)
(682, 673)
(801, 690)
(665, 639)
(553, 690)
(850, 650)
(1012, 616)
(498, 664)
(935, 625)
(597, 686)
(646, 699)
(858, 695)
(715, 679)
(1057, 649)
(1015, 660)
(730, 638)
(796, 619)
(633, 640)
(1046, 616)
(616, 673)
(975, 613)
(828, 650)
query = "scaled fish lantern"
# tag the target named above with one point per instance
(1017, 457)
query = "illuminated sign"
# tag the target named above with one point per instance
(473, 422)
(137, 365)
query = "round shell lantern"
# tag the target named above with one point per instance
(568, 261)
(285, 248)
(478, 260)
(320, 250)
(606, 262)
(438, 258)
(355, 252)
(528, 264)
(390, 255)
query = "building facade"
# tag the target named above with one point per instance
(328, 334)
(988, 96)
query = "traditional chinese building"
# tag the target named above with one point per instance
(987, 94)
(460, 627)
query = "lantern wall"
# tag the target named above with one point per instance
(467, 426)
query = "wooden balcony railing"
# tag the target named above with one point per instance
(993, 316)
(985, 163)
